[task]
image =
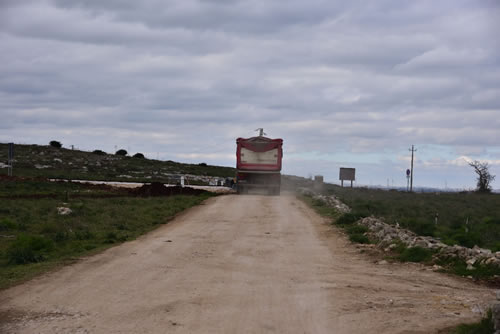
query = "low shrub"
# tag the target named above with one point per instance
(7, 224)
(485, 326)
(419, 226)
(111, 238)
(139, 155)
(29, 248)
(347, 219)
(356, 229)
(415, 254)
(468, 239)
(121, 152)
(359, 238)
(55, 143)
(459, 267)
(318, 202)
(99, 152)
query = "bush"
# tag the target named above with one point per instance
(6, 224)
(485, 326)
(415, 254)
(99, 152)
(459, 267)
(139, 155)
(347, 219)
(121, 152)
(356, 229)
(359, 238)
(27, 249)
(469, 239)
(420, 226)
(203, 164)
(318, 202)
(55, 144)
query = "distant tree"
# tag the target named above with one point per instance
(484, 178)
(121, 152)
(99, 152)
(203, 164)
(55, 143)
(139, 155)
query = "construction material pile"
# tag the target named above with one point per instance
(159, 189)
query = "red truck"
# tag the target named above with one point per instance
(258, 164)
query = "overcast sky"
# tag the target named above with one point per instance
(344, 83)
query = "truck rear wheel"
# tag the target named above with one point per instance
(241, 189)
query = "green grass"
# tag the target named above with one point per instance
(415, 254)
(35, 238)
(466, 219)
(401, 252)
(321, 208)
(359, 238)
(459, 267)
(485, 326)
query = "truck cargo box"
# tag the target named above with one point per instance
(258, 164)
(259, 154)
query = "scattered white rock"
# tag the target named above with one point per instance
(63, 211)
(382, 262)
(471, 261)
(57, 160)
(328, 200)
(477, 309)
(470, 267)
(387, 234)
(37, 166)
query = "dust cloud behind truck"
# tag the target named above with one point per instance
(258, 164)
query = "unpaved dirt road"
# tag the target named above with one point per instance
(239, 264)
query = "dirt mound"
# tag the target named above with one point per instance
(158, 189)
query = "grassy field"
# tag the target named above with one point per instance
(466, 218)
(61, 163)
(35, 238)
(356, 233)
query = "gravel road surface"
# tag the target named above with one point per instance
(240, 264)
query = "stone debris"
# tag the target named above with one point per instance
(329, 200)
(64, 211)
(470, 267)
(388, 236)
(37, 166)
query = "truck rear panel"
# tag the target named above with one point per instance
(258, 161)
(259, 153)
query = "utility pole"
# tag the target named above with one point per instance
(10, 159)
(411, 170)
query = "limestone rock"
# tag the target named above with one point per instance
(63, 211)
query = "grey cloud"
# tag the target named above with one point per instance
(187, 77)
